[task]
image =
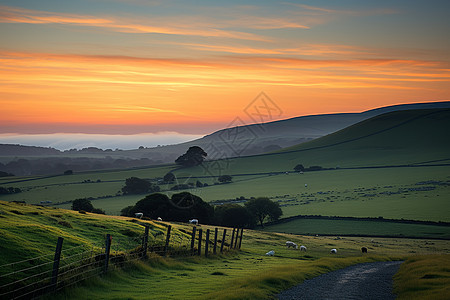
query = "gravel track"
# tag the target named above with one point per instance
(361, 281)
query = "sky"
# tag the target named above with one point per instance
(188, 68)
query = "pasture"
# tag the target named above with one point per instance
(32, 230)
(359, 227)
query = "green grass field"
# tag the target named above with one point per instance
(247, 274)
(360, 227)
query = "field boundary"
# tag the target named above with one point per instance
(366, 219)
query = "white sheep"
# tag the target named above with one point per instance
(193, 221)
(302, 248)
(290, 244)
(270, 253)
(139, 215)
(333, 251)
(159, 219)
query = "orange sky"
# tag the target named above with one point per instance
(65, 71)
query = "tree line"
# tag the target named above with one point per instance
(184, 206)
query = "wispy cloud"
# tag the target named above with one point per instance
(323, 10)
(20, 15)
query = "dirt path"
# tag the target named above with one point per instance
(361, 281)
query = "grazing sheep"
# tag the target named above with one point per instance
(270, 253)
(193, 221)
(302, 248)
(139, 215)
(364, 250)
(290, 244)
(159, 219)
(333, 251)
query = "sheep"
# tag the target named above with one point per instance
(302, 248)
(193, 221)
(159, 219)
(139, 215)
(270, 253)
(290, 244)
(364, 249)
(333, 251)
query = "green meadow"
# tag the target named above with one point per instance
(29, 231)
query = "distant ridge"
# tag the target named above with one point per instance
(271, 136)
(240, 141)
(397, 138)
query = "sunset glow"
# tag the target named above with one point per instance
(149, 66)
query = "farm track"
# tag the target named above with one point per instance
(361, 281)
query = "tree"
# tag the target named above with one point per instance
(82, 204)
(225, 178)
(152, 206)
(299, 168)
(134, 185)
(263, 207)
(169, 177)
(194, 156)
(181, 207)
(186, 206)
(234, 215)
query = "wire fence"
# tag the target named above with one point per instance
(35, 277)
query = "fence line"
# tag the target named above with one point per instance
(34, 277)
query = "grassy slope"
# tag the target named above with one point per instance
(248, 274)
(402, 137)
(424, 277)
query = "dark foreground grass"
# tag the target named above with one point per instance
(424, 277)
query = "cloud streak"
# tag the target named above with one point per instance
(27, 16)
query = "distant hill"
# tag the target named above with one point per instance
(261, 138)
(19, 150)
(407, 137)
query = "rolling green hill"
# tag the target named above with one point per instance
(398, 138)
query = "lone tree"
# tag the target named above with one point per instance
(169, 177)
(194, 156)
(82, 204)
(263, 207)
(299, 168)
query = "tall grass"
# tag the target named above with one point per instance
(424, 277)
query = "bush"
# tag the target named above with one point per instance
(225, 179)
(134, 185)
(98, 211)
(82, 204)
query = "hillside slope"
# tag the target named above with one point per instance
(395, 138)
(260, 138)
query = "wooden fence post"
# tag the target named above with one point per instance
(145, 242)
(216, 232)
(237, 238)
(56, 261)
(232, 239)
(193, 240)
(223, 240)
(166, 246)
(240, 240)
(107, 251)
(200, 242)
(207, 243)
